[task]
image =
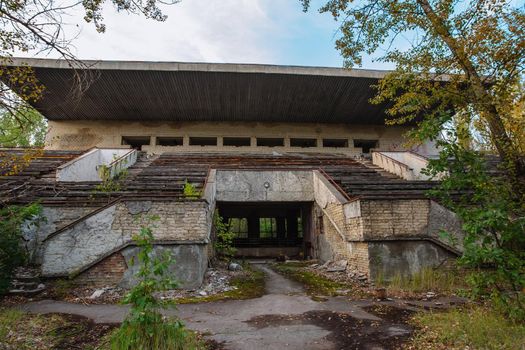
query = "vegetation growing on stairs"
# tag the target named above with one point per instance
(12, 254)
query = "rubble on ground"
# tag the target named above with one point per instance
(216, 281)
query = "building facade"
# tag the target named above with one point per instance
(296, 160)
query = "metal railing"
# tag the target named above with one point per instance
(121, 163)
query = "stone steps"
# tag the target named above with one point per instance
(26, 282)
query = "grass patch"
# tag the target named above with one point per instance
(248, 286)
(477, 327)
(314, 284)
(427, 279)
(9, 318)
(19, 330)
(166, 335)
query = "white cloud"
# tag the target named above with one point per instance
(196, 30)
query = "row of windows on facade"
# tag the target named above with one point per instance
(267, 227)
(139, 141)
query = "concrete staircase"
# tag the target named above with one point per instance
(26, 282)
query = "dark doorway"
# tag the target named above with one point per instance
(268, 229)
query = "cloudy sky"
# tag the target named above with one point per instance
(235, 31)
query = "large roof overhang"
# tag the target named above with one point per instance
(173, 91)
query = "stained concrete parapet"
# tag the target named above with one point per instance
(270, 186)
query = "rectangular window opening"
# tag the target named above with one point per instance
(297, 142)
(365, 145)
(236, 141)
(169, 141)
(339, 143)
(136, 141)
(267, 227)
(270, 142)
(239, 227)
(203, 141)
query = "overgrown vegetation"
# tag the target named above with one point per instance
(12, 253)
(437, 280)
(315, 284)
(247, 286)
(145, 327)
(476, 327)
(22, 128)
(110, 184)
(493, 222)
(22, 331)
(190, 191)
(460, 79)
(224, 238)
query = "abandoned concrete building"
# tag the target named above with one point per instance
(295, 159)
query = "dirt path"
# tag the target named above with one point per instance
(284, 318)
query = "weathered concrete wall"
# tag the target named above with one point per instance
(388, 259)
(249, 186)
(84, 168)
(440, 219)
(86, 134)
(112, 228)
(191, 262)
(51, 219)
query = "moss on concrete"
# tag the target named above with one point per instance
(247, 286)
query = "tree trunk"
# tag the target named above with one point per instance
(484, 100)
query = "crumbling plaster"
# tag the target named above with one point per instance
(90, 240)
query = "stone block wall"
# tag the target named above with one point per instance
(108, 272)
(394, 218)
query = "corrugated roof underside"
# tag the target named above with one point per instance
(209, 96)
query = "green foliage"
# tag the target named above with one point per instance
(224, 238)
(493, 218)
(476, 327)
(190, 191)
(457, 62)
(459, 77)
(22, 128)
(12, 254)
(145, 327)
(108, 184)
(8, 318)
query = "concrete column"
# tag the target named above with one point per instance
(281, 228)
(253, 227)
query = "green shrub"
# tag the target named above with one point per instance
(12, 253)
(145, 328)
(190, 191)
(224, 240)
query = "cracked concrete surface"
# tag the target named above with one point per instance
(234, 323)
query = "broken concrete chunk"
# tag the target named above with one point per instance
(234, 267)
(97, 293)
